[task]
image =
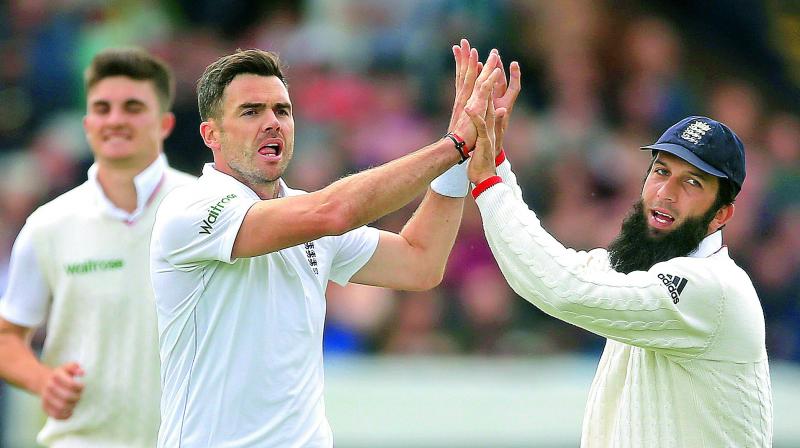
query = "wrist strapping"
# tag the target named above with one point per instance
(453, 182)
(461, 145)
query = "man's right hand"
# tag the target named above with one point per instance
(62, 390)
(467, 87)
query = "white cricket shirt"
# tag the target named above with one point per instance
(685, 364)
(241, 339)
(82, 264)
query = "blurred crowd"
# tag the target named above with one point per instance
(372, 79)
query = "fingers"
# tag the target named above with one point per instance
(62, 391)
(470, 73)
(461, 55)
(482, 110)
(514, 86)
(479, 100)
(501, 85)
(477, 120)
(488, 67)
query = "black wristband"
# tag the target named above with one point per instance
(460, 145)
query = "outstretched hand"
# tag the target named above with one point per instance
(470, 75)
(484, 117)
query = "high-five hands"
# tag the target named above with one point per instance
(468, 88)
(485, 91)
(484, 117)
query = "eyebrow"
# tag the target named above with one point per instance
(128, 102)
(280, 105)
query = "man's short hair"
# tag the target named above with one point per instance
(133, 63)
(217, 76)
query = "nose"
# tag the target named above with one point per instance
(271, 123)
(668, 190)
(116, 116)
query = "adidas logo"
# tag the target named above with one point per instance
(674, 285)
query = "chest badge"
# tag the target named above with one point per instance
(311, 256)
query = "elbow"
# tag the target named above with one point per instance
(425, 281)
(336, 217)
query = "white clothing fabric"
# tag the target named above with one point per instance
(27, 297)
(86, 272)
(685, 364)
(241, 339)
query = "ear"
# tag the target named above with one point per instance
(210, 134)
(167, 124)
(723, 215)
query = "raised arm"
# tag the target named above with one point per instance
(415, 258)
(358, 199)
(579, 287)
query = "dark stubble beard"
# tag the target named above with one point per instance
(635, 249)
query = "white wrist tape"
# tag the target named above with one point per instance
(453, 182)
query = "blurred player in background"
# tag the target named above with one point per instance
(685, 362)
(81, 263)
(240, 261)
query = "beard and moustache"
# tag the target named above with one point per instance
(634, 249)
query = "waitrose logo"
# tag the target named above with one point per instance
(213, 213)
(91, 266)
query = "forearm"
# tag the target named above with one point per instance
(573, 286)
(19, 365)
(431, 233)
(371, 194)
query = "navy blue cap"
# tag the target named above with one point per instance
(708, 145)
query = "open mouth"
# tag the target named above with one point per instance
(661, 219)
(118, 136)
(271, 149)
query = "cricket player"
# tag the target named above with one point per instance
(80, 264)
(240, 261)
(685, 363)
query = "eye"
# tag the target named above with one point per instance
(100, 109)
(135, 108)
(661, 171)
(694, 182)
(282, 112)
(249, 112)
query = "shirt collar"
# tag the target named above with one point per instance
(709, 246)
(210, 172)
(146, 184)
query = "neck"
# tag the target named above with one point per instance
(267, 190)
(117, 183)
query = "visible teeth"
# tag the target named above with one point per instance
(662, 217)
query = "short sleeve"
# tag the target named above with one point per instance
(27, 297)
(190, 230)
(354, 249)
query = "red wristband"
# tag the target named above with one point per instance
(500, 158)
(485, 185)
(461, 146)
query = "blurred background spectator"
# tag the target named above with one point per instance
(372, 79)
